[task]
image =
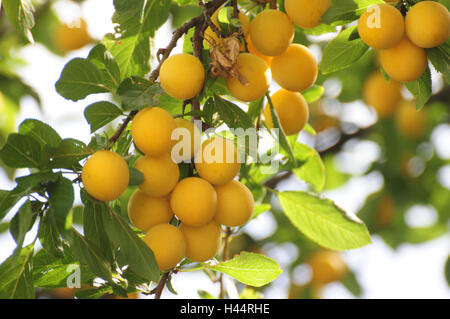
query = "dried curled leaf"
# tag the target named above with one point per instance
(224, 57)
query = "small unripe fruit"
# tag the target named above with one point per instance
(161, 174)
(182, 76)
(151, 130)
(202, 243)
(187, 143)
(271, 32)
(235, 204)
(146, 211)
(105, 175)
(327, 266)
(257, 74)
(217, 161)
(168, 245)
(404, 62)
(381, 26)
(296, 69)
(194, 201)
(69, 38)
(306, 13)
(211, 36)
(411, 122)
(428, 24)
(382, 95)
(292, 110)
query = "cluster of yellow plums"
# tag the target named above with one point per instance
(271, 54)
(201, 203)
(387, 100)
(402, 41)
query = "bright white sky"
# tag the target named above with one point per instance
(410, 272)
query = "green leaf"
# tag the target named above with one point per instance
(34, 182)
(101, 113)
(41, 132)
(280, 135)
(69, 153)
(345, 11)
(104, 61)
(231, 114)
(136, 177)
(93, 293)
(49, 236)
(342, 52)
(324, 222)
(313, 94)
(261, 208)
(138, 255)
(187, 43)
(312, 169)
(21, 223)
(94, 229)
(321, 29)
(50, 271)
(16, 279)
(20, 14)
(421, 88)
(21, 151)
(440, 58)
(351, 283)
(7, 201)
(255, 108)
(138, 20)
(87, 253)
(249, 268)
(61, 198)
(80, 78)
(136, 93)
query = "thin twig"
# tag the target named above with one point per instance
(225, 256)
(160, 287)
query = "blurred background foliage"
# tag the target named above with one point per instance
(413, 170)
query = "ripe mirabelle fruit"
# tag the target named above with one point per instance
(235, 204)
(161, 174)
(292, 110)
(105, 175)
(217, 161)
(70, 38)
(306, 13)
(410, 122)
(202, 243)
(194, 201)
(327, 266)
(211, 36)
(296, 69)
(257, 73)
(404, 62)
(182, 76)
(271, 32)
(151, 130)
(168, 245)
(382, 95)
(428, 24)
(381, 26)
(146, 211)
(251, 48)
(185, 145)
